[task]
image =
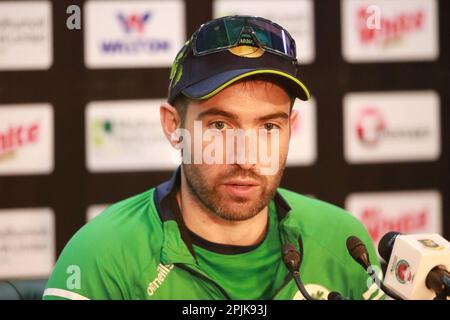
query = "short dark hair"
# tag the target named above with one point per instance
(182, 102)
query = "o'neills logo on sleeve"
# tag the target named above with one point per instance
(163, 272)
(16, 137)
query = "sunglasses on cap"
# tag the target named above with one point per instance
(232, 31)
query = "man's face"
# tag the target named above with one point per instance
(239, 191)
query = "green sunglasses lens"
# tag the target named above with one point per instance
(211, 37)
(273, 37)
(226, 32)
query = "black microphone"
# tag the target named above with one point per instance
(333, 295)
(438, 279)
(291, 257)
(292, 260)
(386, 245)
(358, 251)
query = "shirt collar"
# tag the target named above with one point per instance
(177, 245)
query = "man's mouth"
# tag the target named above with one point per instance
(241, 187)
(242, 182)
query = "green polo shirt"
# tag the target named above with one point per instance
(139, 248)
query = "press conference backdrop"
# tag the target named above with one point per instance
(79, 119)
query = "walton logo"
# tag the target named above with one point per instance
(378, 223)
(136, 40)
(134, 22)
(392, 29)
(163, 272)
(16, 137)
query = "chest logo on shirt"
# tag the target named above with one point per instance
(163, 271)
(315, 290)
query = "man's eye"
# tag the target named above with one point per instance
(219, 125)
(269, 126)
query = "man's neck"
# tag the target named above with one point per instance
(215, 229)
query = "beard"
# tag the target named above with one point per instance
(226, 206)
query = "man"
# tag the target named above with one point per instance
(216, 230)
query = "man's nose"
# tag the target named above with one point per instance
(247, 166)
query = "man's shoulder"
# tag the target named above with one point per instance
(315, 209)
(119, 227)
(315, 216)
(112, 249)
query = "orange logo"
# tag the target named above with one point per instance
(247, 51)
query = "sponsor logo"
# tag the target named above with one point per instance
(128, 132)
(247, 51)
(134, 22)
(125, 136)
(371, 127)
(16, 137)
(378, 222)
(25, 35)
(403, 272)
(163, 272)
(26, 132)
(389, 30)
(391, 126)
(405, 212)
(393, 29)
(26, 235)
(430, 244)
(133, 33)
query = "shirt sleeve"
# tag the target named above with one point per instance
(86, 269)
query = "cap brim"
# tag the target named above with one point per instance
(209, 87)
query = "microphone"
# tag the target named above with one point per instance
(333, 295)
(386, 244)
(358, 251)
(417, 265)
(292, 260)
(438, 280)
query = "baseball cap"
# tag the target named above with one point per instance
(231, 48)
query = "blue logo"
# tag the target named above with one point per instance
(135, 40)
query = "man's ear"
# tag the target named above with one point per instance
(292, 119)
(170, 121)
